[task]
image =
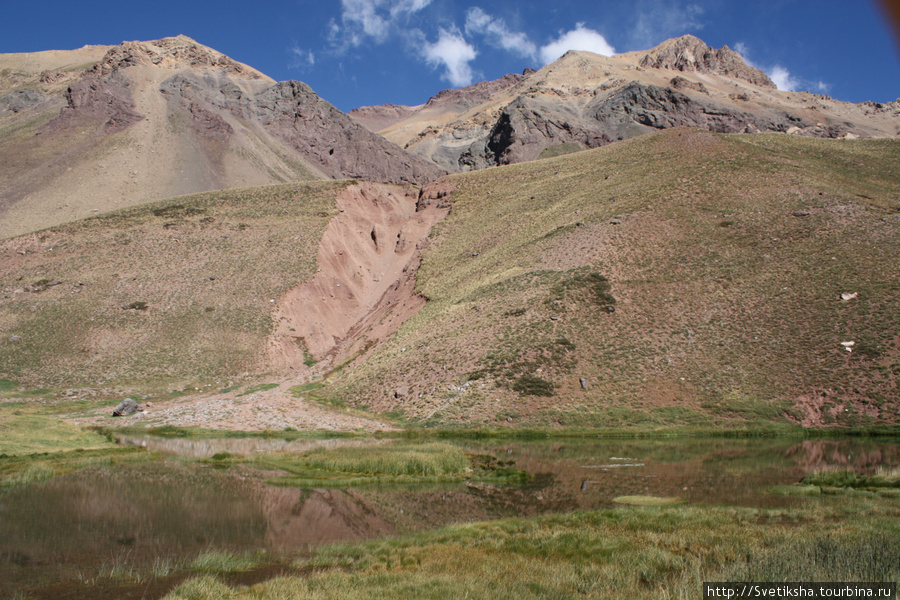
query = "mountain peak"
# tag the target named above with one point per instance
(171, 53)
(690, 53)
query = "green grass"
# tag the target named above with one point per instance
(433, 459)
(394, 462)
(842, 478)
(262, 387)
(29, 469)
(647, 501)
(32, 427)
(629, 552)
(222, 561)
(300, 390)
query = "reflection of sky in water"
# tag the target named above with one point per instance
(58, 530)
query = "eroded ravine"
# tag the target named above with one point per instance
(364, 287)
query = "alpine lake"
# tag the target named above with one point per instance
(250, 509)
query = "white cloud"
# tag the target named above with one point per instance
(580, 38)
(453, 53)
(498, 34)
(659, 20)
(782, 78)
(370, 19)
(303, 59)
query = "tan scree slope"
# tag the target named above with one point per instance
(152, 120)
(62, 167)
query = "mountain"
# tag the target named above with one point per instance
(101, 128)
(584, 100)
(682, 277)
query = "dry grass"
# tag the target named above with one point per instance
(621, 553)
(727, 305)
(170, 294)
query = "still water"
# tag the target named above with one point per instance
(129, 531)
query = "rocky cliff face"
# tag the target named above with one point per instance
(106, 100)
(333, 142)
(586, 100)
(689, 53)
(173, 52)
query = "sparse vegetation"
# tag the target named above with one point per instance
(222, 561)
(667, 308)
(83, 331)
(261, 387)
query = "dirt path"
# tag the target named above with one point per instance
(275, 410)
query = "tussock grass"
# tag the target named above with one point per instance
(629, 552)
(430, 459)
(223, 561)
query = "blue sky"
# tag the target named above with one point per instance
(362, 52)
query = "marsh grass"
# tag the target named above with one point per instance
(430, 459)
(627, 552)
(647, 501)
(844, 478)
(223, 561)
(397, 462)
(36, 468)
(36, 426)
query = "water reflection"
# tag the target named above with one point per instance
(239, 446)
(66, 531)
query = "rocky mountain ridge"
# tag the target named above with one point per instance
(584, 100)
(150, 120)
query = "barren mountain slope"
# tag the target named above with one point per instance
(586, 100)
(151, 120)
(570, 291)
(578, 291)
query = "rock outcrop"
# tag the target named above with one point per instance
(689, 53)
(173, 52)
(588, 100)
(107, 100)
(332, 141)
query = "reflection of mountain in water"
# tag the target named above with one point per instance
(299, 519)
(73, 526)
(849, 454)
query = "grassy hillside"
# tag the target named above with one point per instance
(671, 273)
(172, 293)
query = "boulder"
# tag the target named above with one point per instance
(126, 407)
